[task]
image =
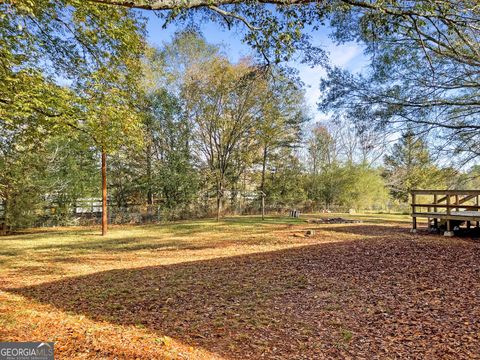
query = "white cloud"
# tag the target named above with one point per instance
(349, 56)
(342, 55)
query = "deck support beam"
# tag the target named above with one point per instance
(414, 219)
(449, 231)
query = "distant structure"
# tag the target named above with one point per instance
(446, 210)
(295, 213)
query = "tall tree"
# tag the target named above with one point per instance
(283, 115)
(285, 180)
(169, 166)
(110, 119)
(222, 101)
(322, 149)
(93, 49)
(325, 179)
(409, 166)
(169, 141)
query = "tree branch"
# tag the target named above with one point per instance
(189, 4)
(228, 14)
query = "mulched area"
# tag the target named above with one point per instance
(391, 295)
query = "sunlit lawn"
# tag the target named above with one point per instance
(243, 288)
(46, 254)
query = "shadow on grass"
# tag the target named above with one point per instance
(36, 233)
(117, 245)
(183, 227)
(133, 243)
(335, 300)
(66, 252)
(60, 246)
(160, 237)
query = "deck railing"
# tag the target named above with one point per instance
(459, 205)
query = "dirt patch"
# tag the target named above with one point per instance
(337, 220)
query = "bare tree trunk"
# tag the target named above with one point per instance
(149, 175)
(219, 199)
(233, 199)
(264, 166)
(262, 184)
(263, 206)
(149, 184)
(4, 225)
(104, 192)
(219, 205)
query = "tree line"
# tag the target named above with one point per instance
(84, 101)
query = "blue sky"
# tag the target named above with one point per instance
(349, 56)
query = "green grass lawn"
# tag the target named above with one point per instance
(241, 288)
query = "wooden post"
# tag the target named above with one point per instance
(457, 203)
(429, 219)
(449, 231)
(104, 193)
(476, 203)
(414, 219)
(435, 220)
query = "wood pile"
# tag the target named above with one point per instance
(337, 220)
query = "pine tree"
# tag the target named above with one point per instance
(409, 166)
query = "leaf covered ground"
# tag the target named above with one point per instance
(243, 289)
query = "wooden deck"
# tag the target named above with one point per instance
(446, 209)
